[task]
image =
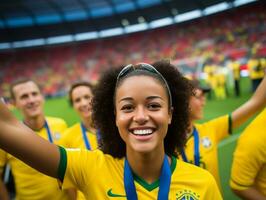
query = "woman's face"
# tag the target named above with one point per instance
(142, 113)
(81, 98)
(196, 104)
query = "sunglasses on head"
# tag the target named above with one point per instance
(145, 67)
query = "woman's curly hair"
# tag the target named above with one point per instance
(103, 107)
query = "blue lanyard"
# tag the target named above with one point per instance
(196, 149)
(48, 131)
(164, 181)
(46, 126)
(85, 138)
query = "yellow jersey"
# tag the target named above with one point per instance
(74, 138)
(100, 176)
(249, 163)
(209, 135)
(29, 183)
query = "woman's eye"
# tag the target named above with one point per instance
(127, 108)
(154, 106)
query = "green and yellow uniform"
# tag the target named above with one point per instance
(31, 184)
(249, 163)
(74, 138)
(100, 176)
(210, 134)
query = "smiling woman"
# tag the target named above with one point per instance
(143, 117)
(82, 134)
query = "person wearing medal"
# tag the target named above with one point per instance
(202, 139)
(29, 183)
(142, 112)
(82, 134)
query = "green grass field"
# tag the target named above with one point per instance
(59, 107)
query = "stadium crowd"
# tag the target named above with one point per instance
(235, 34)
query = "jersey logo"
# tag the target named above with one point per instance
(111, 194)
(187, 195)
(206, 142)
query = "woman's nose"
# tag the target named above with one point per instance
(141, 116)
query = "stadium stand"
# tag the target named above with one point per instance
(233, 34)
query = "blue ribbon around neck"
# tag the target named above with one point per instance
(85, 138)
(48, 131)
(164, 181)
(196, 149)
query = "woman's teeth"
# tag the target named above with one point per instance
(143, 132)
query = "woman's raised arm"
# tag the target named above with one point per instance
(23, 143)
(255, 104)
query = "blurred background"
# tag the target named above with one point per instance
(57, 42)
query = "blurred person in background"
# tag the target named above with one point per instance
(220, 85)
(209, 70)
(256, 69)
(82, 134)
(29, 183)
(202, 140)
(234, 65)
(248, 174)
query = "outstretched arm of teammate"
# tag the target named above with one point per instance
(255, 104)
(23, 143)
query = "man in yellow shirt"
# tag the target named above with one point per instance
(82, 134)
(29, 183)
(248, 175)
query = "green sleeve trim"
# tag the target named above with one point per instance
(62, 164)
(230, 124)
